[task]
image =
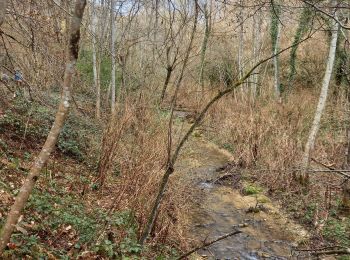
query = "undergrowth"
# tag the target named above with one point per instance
(67, 215)
(267, 140)
(30, 122)
(60, 225)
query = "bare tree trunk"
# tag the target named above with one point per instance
(304, 178)
(276, 82)
(3, 6)
(61, 115)
(204, 46)
(240, 45)
(257, 21)
(114, 62)
(169, 71)
(155, 29)
(95, 61)
(346, 185)
(346, 196)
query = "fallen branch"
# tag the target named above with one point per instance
(331, 168)
(209, 243)
(345, 251)
(318, 249)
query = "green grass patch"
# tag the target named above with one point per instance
(251, 189)
(338, 230)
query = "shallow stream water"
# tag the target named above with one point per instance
(217, 209)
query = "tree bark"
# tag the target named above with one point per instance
(3, 6)
(169, 71)
(346, 184)
(257, 21)
(95, 61)
(304, 178)
(204, 46)
(61, 115)
(276, 81)
(114, 62)
(240, 56)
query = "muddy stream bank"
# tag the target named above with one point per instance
(218, 208)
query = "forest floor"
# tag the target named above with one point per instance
(64, 217)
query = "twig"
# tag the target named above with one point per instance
(77, 106)
(209, 243)
(317, 249)
(25, 130)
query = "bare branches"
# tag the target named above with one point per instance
(330, 169)
(172, 159)
(327, 14)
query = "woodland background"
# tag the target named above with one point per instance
(139, 63)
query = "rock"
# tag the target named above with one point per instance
(264, 255)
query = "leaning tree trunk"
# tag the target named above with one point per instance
(61, 115)
(171, 160)
(304, 177)
(173, 157)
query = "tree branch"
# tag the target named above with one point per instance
(209, 243)
(327, 14)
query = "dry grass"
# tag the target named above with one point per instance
(139, 158)
(267, 139)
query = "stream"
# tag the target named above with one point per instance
(218, 209)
